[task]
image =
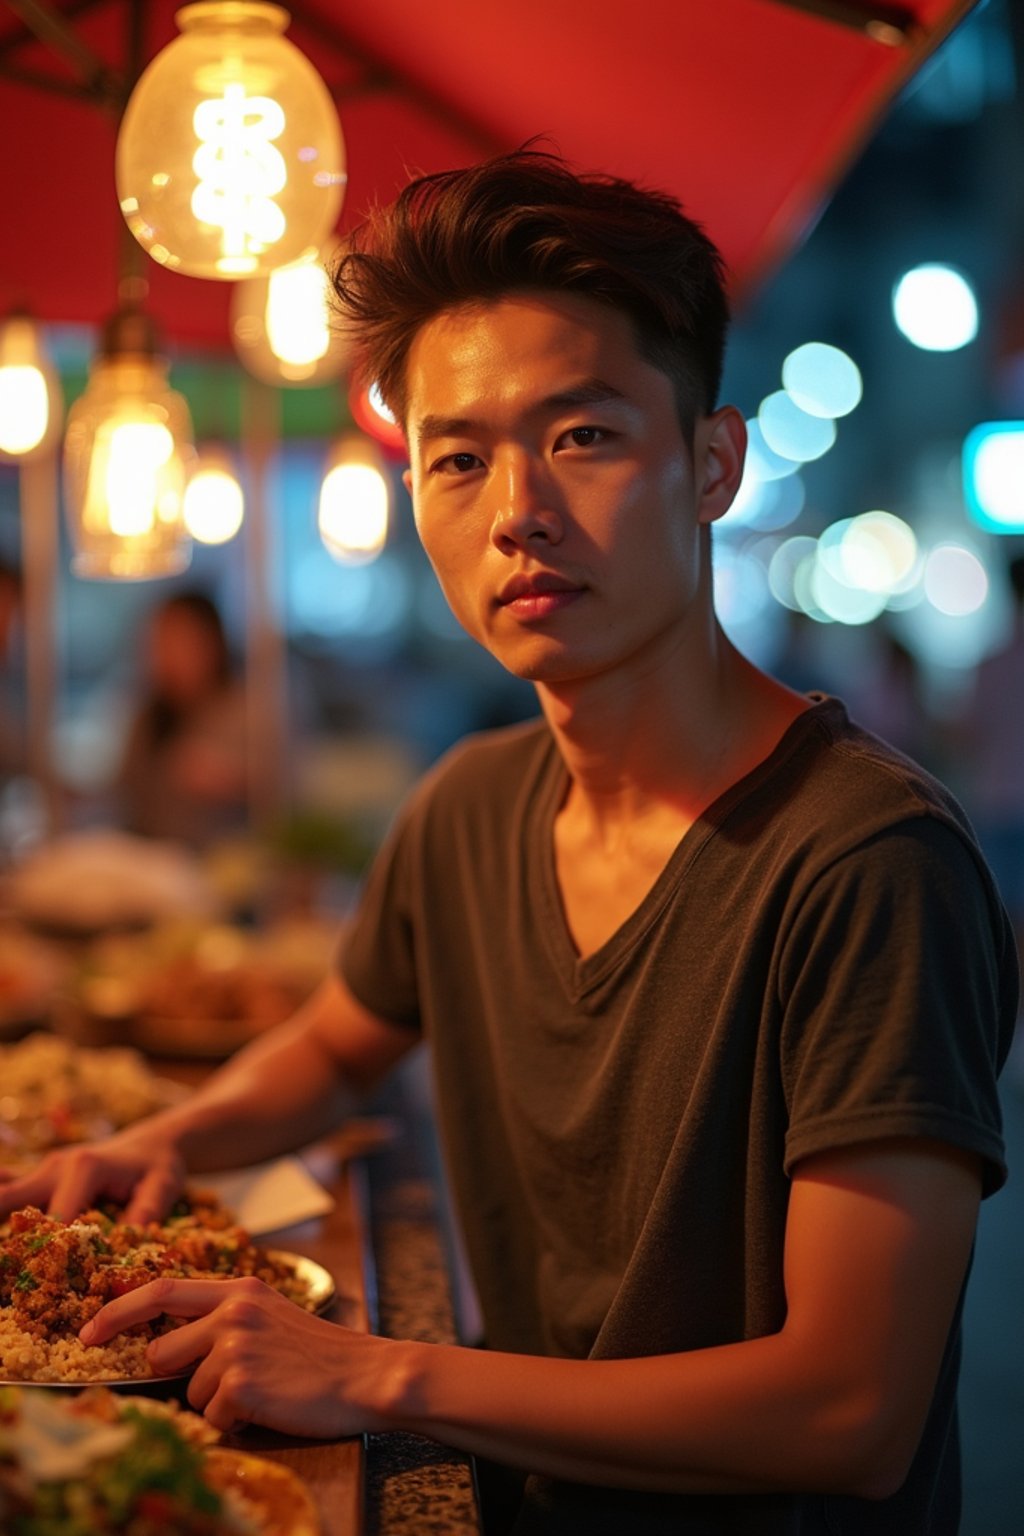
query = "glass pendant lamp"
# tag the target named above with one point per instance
(31, 403)
(230, 159)
(355, 501)
(282, 328)
(127, 455)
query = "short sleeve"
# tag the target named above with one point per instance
(377, 954)
(898, 989)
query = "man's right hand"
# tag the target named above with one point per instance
(142, 1171)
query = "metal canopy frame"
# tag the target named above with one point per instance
(109, 89)
(891, 25)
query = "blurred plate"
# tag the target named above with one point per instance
(319, 1281)
(273, 1497)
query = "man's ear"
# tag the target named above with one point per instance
(720, 451)
(407, 480)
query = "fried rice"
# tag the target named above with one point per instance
(55, 1276)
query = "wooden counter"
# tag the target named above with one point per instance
(385, 1244)
(332, 1470)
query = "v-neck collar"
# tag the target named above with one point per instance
(580, 974)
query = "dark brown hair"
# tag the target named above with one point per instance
(527, 221)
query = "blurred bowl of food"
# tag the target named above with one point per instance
(88, 882)
(189, 988)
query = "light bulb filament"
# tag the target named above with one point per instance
(125, 484)
(239, 172)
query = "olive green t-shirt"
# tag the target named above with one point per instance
(823, 961)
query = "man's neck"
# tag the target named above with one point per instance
(666, 738)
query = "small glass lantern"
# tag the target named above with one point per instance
(127, 455)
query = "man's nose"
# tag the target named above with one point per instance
(526, 506)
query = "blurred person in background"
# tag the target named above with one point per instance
(716, 985)
(184, 774)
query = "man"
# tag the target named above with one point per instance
(715, 984)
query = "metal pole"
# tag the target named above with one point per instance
(265, 655)
(39, 550)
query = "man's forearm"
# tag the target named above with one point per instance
(743, 1418)
(279, 1093)
(878, 1239)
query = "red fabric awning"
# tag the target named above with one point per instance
(748, 110)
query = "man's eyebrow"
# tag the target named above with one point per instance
(429, 428)
(587, 392)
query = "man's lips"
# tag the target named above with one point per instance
(523, 589)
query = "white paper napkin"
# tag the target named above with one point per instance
(271, 1195)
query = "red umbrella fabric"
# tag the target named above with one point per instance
(748, 110)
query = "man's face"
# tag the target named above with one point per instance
(554, 492)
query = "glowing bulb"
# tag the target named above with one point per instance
(30, 403)
(126, 456)
(230, 159)
(935, 308)
(355, 502)
(239, 172)
(214, 503)
(24, 409)
(281, 325)
(298, 323)
(124, 489)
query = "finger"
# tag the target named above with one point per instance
(224, 1409)
(25, 1189)
(154, 1194)
(175, 1298)
(79, 1179)
(172, 1353)
(205, 1380)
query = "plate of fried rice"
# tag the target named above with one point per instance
(55, 1276)
(53, 1093)
(104, 1464)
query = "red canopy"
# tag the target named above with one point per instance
(748, 110)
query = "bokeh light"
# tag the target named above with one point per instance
(822, 380)
(955, 581)
(353, 512)
(791, 432)
(935, 307)
(357, 602)
(790, 557)
(993, 472)
(765, 504)
(879, 552)
(214, 504)
(764, 463)
(841, 602)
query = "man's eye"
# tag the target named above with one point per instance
(582, 437)
(456, 464)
